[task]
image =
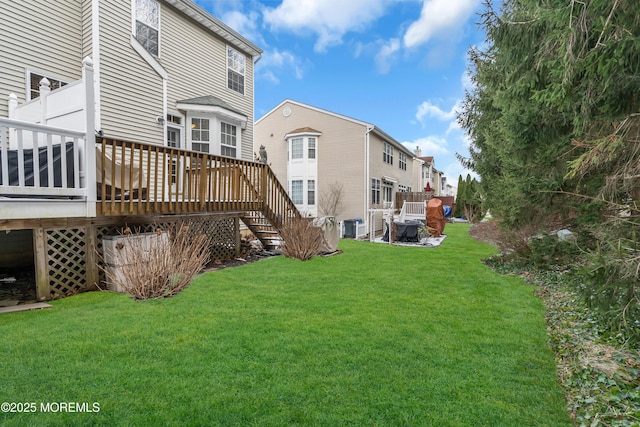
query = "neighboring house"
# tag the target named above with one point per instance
(139, 113)
(311, 149)
(424, 171)
(165, 71)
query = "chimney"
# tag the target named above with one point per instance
(417, 151)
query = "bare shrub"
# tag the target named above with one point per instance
(157, 265)
(330, 202)
(302, 240)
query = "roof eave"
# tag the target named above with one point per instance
(213, 24)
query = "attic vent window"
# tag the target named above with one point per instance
(148, 24)
(235, 70)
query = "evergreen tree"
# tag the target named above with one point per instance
(554, 120)
(459, 211)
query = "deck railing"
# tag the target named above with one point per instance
(41, 161)
(127, 178)
(412, 211)
(138, 179)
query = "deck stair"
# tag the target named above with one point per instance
(260, 226)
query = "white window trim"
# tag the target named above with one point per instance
(133, 30)
(301, 191)
(305, 145)
(402, 160)
(387, 150)
(378, 189)
(212, 126)
(315, 193)
(227, 68)
(237, 147)
(215, 132)
(302, 157)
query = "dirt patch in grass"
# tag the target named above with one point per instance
(251, 251)
(485, 232)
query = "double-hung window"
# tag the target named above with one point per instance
(297, 150)
(235, 70)
(312, 148)
(200, 135)
(387, 153)
(375, 191)
(296, 192)
(402, 161)
(228, 139)
(311, 192)
(147, 14)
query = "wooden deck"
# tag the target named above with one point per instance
(104, 185)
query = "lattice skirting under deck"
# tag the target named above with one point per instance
(71, 256)
(66, 261)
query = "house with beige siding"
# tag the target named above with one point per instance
(311, 150)
(125, 114)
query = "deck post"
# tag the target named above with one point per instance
(236, 232)
(90, 139)
(263, 184)
(40, 255)
(92, 269)
(13, 104)
(44, 89)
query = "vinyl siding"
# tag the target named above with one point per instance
(51, 43)
(196, 62)
(131, 91)
(340, 151)
(87, 36)
(379, 168)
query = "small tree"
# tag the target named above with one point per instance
(330, 200)
(472, 201)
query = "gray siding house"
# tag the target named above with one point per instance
(118, 114)
(165, 71)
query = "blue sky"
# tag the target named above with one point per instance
(399, 64)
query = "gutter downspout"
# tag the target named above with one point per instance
(367, 177)
(253, 108)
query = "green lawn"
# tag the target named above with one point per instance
(377, 336)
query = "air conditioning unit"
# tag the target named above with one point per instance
(120, 251)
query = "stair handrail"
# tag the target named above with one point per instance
(277, 206)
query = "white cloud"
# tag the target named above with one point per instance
(282, 62)
(427, 109)
(386, 54)
(429, 145)
(453, 126)
(244, 23)
(439, 18)
(269, 76)
(329, 20)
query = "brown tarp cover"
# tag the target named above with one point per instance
(435, 217)
(134, 179)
